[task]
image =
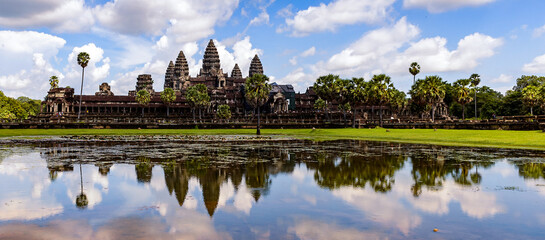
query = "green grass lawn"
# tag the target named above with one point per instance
(478, 138)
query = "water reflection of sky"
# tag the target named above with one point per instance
(273, 200)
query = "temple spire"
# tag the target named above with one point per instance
(169, 76)
(211, 61)
(255, 66)
(236, 73)
(181, 68)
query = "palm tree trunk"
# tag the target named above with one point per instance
(142, 111)
(193, 110)
(168, 110)
(200, 114)
(433, 113)
(258, 120)
(380, 115)
(463, 112)
(414, 79)
(81, 91)
(475, 103)
(344, 116)
(354, 118)
(531, 111)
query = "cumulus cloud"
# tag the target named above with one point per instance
(536, 66)
(381, 51)
(188, 20)
(60, 15)
(96, 71)
(503, 79)
(25, 61)
(437, 6)
(335, 14)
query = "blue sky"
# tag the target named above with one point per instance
(297, 41)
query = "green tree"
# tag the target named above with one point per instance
(83, 60)
(358, 96)
(397, 101)
(530, 96)
(168, 96)
(475, 79)
(143, 97)
(197, 97)
(257, 92)
(223, 112)
(54, 82)
(319, 104)
(463, 95)
(343, 95)
(414, 70)
(379, 91)
(324, 88)
(433, 91)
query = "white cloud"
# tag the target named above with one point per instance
(503, 79)
(286, 12)
(539, 31)
(96, 71)
(243, 53)
(381, 51)
(368, 50)
(309, 52)
(536, 66)
(437, 6)
(299, 79)
(262, 18)
(187, 20)
(60, 15)
(335, 14)
(25, 61)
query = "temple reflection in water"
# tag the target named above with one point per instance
(357, 164)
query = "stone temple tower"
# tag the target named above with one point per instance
(236, 73)
(169, 76)
(255, 66)
(211, 62)
(181, 72)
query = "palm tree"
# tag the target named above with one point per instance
(475, 79)
(81, 199)
(463, 96)
(197, 97)
(143, 97)
(168, 96)
(324, 88)
(54, 82)
(530, 96)
(434, 90)
(83, 60)
(379, 91)
(414, 69)
(358, 96)
(257, 93)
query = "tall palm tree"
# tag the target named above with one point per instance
(530, 96)
(475, 79)
(434, 90)
(414, 69)
(54, 82)
(257, 93)
(462, 92)
(83, 60)
(379, 91)
(143, 97)
(324, 88)
(168, 96)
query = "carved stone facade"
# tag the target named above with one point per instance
(222, 89)
(104, 90)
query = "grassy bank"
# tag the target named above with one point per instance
(478, 138)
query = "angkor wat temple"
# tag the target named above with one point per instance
(222, 89)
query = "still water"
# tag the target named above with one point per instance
(269, 190)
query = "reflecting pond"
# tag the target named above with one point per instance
(269, 190)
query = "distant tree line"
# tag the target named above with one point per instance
(20, 108)
(462, 98)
